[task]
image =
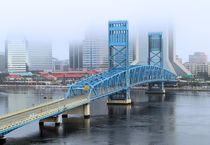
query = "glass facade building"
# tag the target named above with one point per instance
(16, 57)
(40, 56)
(75, 56)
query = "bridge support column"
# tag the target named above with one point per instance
(122, 98)
(158, 90)
(55, 119)
(86, 110)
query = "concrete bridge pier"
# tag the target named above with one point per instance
(121, 98)
(86, 110)
(83, 110)
(160, 89)
(55, 119)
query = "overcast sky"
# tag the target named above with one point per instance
(61, 21)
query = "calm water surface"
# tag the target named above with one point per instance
(178, 118)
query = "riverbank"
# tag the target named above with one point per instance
(133, 88)
(33, 86)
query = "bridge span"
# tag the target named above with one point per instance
(12, 121)
(83, 92)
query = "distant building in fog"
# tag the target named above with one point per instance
(178, 59)
(2, 62)
(16, 57)
(75, 56)
(197, 69)
(60, 65)
(40, 56)
(198, 58)
(95, 52)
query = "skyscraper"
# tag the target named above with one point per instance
(16, 58)
(40, 56)
(95, 52)
(75, 56)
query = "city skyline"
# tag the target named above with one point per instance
(61, 22)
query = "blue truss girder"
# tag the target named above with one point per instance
(113, 81)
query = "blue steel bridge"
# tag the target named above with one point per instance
(114, 83)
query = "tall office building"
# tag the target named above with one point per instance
(40, 56)
(16, 57)
(198, 58)
(95, 52)
(75, 56)
(2, 62)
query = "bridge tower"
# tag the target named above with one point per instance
(119, 57)
(155, 58)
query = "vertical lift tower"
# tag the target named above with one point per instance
(155, 58)
(119, 58)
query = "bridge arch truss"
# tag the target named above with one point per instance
(114, 81)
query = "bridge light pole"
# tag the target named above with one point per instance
(119, 57)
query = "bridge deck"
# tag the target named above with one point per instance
(15, 120)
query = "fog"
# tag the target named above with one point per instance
(61, 21)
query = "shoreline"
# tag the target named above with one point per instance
(133, 88)
(33, 86)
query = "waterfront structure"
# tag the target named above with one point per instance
(95, 52)
(75, 57)
(168, 47)
(198, 58)
(198, 70)
(40, 56)
(16, 57)
(2, 62)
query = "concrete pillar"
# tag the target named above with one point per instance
(56, 119)
(121, 98)
(86, 110)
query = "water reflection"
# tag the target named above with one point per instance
(176, 118)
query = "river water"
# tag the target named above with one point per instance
(177, 118)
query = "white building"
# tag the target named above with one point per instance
(40, 56)
(16, 57)
(95, 52)
(195, 68)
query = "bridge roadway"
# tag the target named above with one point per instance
(12, 121)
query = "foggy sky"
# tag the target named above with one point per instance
(61, 21)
